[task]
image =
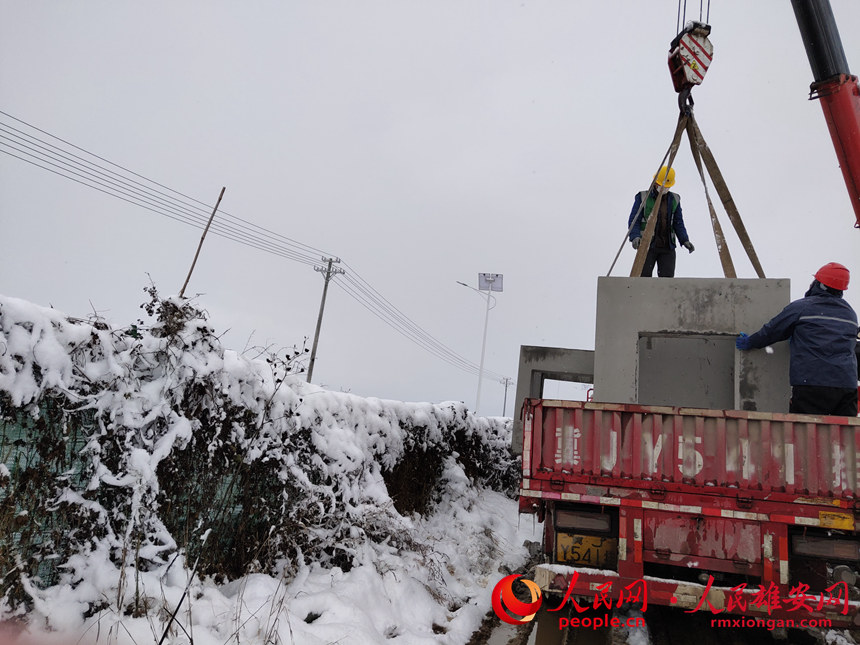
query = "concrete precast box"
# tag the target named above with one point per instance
(671, 341)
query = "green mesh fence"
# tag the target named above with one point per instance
(40, 448)
(230, 514)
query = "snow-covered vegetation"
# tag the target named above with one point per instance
(157, 487)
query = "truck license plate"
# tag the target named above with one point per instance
(586, 550)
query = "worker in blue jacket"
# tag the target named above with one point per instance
(669, 226)
(822, 331)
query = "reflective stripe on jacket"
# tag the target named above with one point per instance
(823, 332)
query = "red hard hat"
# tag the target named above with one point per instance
(833, 275)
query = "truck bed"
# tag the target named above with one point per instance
(695, 502)
(781, 456)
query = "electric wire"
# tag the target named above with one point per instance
(116, 190)
(374, 295)
(368, 297)
(399, 328)
(359, 289)
(179, 207)
(205, 211)
(371, 300)
(398, 321)
(131, 193)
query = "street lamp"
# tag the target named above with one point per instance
(486, 282)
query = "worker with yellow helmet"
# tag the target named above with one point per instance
(668, 230)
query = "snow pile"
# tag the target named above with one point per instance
(156, 483)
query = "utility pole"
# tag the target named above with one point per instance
(506, 382)
(329, 273)
(200, 245)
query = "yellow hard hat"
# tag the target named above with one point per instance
(665, 177)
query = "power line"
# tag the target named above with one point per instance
(53, 159)
(403, 327)
(363, 292)
(218, 228)
(179, 207)
(206, 206)
(84, 175)
(372, 299)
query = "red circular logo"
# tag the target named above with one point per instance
(504, 601)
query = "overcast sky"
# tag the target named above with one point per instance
(421, 141)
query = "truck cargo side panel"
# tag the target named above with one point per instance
(651, 446)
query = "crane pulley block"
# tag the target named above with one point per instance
(690, 54)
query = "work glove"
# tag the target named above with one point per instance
(689, 246)
(635, 242)
(742, 341)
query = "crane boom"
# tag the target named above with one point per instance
(834, 86)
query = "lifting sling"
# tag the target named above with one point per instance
(689, 56)
(701, 154)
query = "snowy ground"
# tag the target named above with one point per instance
(384, 601)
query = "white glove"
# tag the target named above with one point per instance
(635, 242)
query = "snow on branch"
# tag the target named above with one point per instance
(137, 446)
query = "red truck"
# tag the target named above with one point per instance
(725, 511)
(743, 511)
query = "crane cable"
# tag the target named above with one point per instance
(679, 23)
(701, 153)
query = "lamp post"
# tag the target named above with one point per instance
(489, 282)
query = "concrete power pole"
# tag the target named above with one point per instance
(506, 382)
(329, 273)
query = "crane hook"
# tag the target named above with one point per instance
(690, 55)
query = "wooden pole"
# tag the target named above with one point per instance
(200, 245)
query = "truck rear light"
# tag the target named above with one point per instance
(583, 521)
(826, 547)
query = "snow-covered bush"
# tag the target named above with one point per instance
(136, 446)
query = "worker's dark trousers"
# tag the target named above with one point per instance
(664, 259)
(817, 399)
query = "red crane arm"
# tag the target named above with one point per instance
(834, 86)
(840, 100)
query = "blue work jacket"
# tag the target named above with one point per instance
(822, 329)
(671, 202)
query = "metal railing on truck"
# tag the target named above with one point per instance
(656, 446)
(695, 504)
